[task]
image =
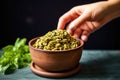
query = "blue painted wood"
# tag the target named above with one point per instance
(95, 65)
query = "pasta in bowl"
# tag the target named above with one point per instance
(56, 51)
(56, 40)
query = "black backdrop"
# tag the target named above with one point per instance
(32, 18)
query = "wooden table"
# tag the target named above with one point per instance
(95, 65)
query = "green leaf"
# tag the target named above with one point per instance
(7, 48)
(10, 68)
(14, 56)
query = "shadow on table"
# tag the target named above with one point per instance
(100, 68)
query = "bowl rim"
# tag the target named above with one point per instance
(33, 39)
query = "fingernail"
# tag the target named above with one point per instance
(84, 38)
(71, 26)
(69, 31)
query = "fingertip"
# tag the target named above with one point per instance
(84, 38)
(69, 31)
(71, 26)
(61, 27)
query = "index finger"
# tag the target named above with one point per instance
(66, 18)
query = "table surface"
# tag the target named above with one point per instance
(95, 65)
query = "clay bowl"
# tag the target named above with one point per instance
(55, 61)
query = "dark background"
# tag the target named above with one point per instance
(32, 18)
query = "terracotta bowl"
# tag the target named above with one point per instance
(55, 61)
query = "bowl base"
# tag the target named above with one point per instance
(41, 72)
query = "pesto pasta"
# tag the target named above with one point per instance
(56, 40)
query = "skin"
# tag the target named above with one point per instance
(82, 20)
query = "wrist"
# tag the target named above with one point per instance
(114, 8)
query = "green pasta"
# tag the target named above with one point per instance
(56, 40)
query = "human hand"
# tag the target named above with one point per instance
(85, 19)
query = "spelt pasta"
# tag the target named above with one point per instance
(56, 40)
